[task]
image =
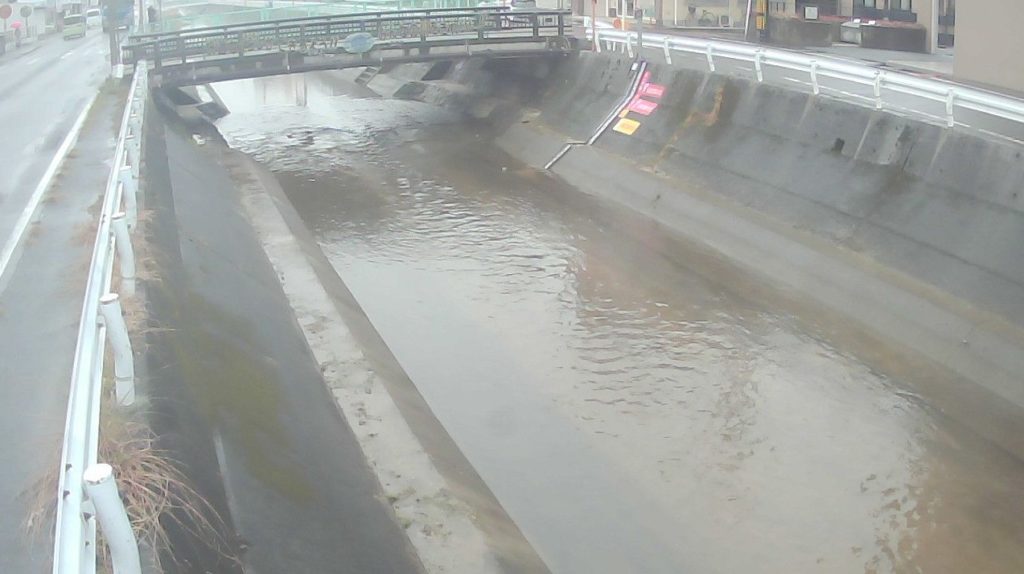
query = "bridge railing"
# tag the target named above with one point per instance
(939, 100)
(87, 492)
(329, 33)
(144, 38)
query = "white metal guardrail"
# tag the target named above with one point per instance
(87, 491)
(879, 85)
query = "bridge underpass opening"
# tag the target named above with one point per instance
(635, 402)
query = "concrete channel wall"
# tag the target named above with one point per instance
(943, 206)
(238, 396)
(248, 364)
(908, 230)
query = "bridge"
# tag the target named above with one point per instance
(297, 45)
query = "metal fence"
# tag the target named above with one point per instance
(944, 101)
(87, 490)
(309, 20)
(329, 33)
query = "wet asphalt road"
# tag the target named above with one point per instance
(633, 405)
(42, 92)
(41, 95)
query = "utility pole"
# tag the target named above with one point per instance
(638, 13)
(108, 15)
(593, 24)
(933, 28)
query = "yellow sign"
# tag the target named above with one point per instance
(626, 126)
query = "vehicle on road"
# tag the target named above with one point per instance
(119, 13)
(93, 18)
(74, 26)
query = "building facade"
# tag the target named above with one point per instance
(989, 45)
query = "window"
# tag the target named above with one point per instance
(901, 5)
(614, 5)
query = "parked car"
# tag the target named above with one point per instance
(93, 18)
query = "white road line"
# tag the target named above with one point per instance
(27, 214)
(32, 61)
(67, 54)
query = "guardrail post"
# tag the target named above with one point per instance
(667, 50)
(814, 78)
(711, 60)
(950, 103)
(124, 362)
(133, 157)
(629, 45)
(113, 519)
(129, 192)
(535, 21)
(134, 122)
(878, 89)
(125, 252)
(758, 65)
(597, 41)
(561, 25)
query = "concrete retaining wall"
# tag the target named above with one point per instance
(941, 205)
(798, 33)
(904, 38)
(918, 226)
(879, 227)
(238, 396)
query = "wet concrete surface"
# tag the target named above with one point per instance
(634, 408)
(237, 395)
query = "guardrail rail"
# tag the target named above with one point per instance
(87, 492)
(327, 34)
(950, 99)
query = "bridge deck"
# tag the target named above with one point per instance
(342, 41)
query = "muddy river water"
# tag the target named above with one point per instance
(633, 409)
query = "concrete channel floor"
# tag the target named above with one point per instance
(39, 310)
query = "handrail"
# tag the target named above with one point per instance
(817, 66)
(86, 489)
(327, 33)
(137, 39)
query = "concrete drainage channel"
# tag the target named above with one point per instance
(859, 230)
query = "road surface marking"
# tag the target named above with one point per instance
(32, 61)
(18, 233)
(67, 54)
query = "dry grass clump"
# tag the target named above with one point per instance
(157, 495)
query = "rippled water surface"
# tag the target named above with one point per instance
(633, 409)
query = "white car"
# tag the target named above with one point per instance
(93, 18)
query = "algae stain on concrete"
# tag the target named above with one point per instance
(237, 391)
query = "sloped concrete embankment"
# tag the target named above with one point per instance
(906, 230)
(238, 396)
(886, 229)
(289, 409)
